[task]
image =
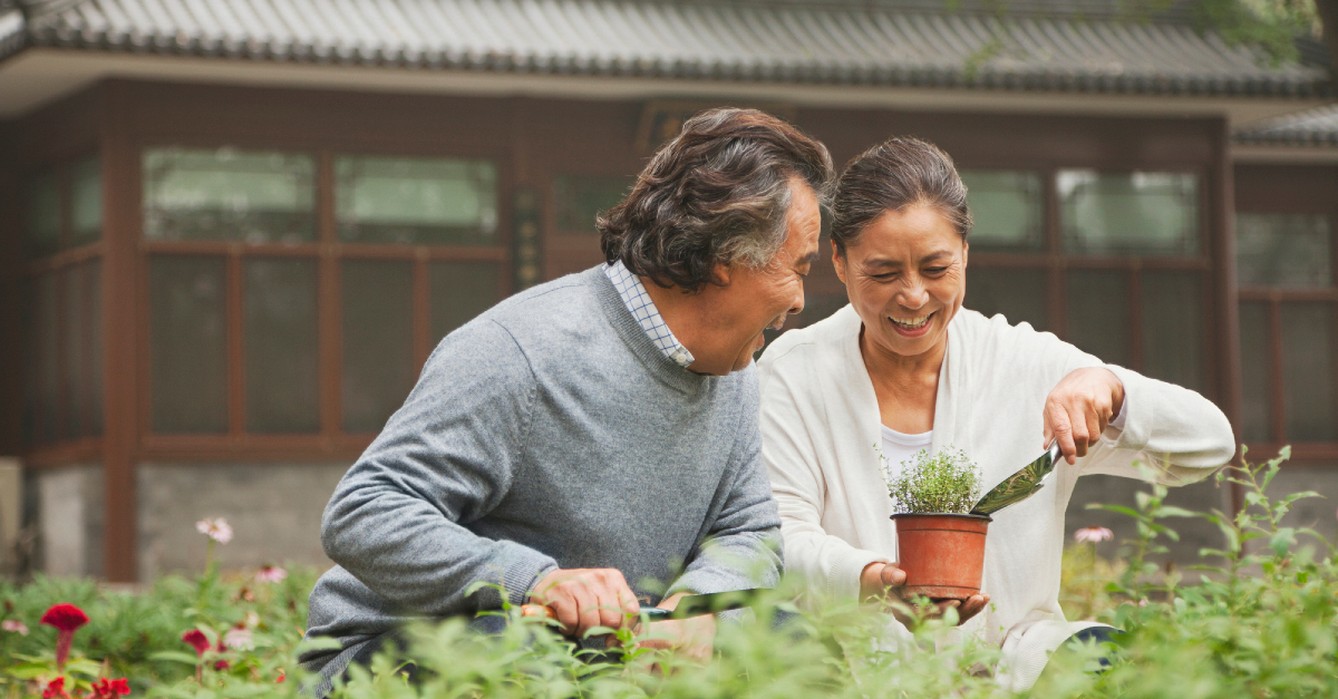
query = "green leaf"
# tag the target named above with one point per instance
(176, 656)
(1282, 541)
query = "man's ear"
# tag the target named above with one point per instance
(721, 274)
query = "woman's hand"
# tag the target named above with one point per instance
(882, 583)
(1078, 409)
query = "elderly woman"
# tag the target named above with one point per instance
(906, 367)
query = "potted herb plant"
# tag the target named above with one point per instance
(940, 545)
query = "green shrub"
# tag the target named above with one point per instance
(946, 482)
(1257, 620)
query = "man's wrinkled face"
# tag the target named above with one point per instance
(757, 299)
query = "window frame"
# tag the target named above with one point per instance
(328, 252)
(1062, 268)
(69, 257)
(1282, 190)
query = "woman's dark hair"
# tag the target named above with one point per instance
(891, 176)
(717, 193)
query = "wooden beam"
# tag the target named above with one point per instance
(120, 285)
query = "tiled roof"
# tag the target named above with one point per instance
(866, 42)
(1317, 126)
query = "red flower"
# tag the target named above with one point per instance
(282, 676)
(66, 618)
(55, 689)
(197, 640)
(221, 665)
(110, 689)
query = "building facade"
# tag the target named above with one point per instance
(230, 238)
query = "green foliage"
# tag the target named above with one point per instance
(1257, 620)
(946, 483)
(1272, 25)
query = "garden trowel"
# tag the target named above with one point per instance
(1019, 486)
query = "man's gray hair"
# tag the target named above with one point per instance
(718, 193)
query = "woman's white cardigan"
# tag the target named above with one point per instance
(820, 425)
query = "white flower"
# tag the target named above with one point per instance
(215, 528)
(1093, 535)
(238, 639)
(14, 626)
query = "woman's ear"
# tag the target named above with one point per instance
(839, 262)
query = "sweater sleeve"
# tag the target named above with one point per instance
(825, 564)
(1175, 431)
(741, 548)
(445, 458)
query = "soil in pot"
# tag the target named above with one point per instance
(943, 555)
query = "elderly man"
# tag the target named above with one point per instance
(594, 439)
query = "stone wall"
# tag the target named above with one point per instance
(274, 510)
(69, 514)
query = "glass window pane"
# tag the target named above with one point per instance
(577, 199)
(1135, 213)
(46, 386)
(86, 201)
(1256, 374)
(1098, 314)
(1286, 250)
(460, 291)
(1018, 293)
(74, 353)
(1007, 209)
(227, 194)
(1173, 333)
(95, 346)
(280, 337)
(1308, 356)
(43, 219)
(378, 366)
(416, 201)
(187, 345)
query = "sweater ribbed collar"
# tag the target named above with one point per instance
(634, 336)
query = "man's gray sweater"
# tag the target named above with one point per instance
(548, 432)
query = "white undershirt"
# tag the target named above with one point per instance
(899, 447)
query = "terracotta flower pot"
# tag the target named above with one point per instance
(943, 555)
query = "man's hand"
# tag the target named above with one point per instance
(583, 598)
(692, 638)
(882, 582)
(1078, 409)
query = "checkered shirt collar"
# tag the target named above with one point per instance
(638, 302)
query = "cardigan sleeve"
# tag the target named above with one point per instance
(1173, 430)
(826, 564)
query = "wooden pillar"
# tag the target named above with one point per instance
(11, 292)
(1226, 336)
(121, 293)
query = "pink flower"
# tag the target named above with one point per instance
(270, 574)
(238, 639)
(215, 528)
(1093, 535)
(14, 626)
(197, 640)
(67, 619)
(110, 689)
